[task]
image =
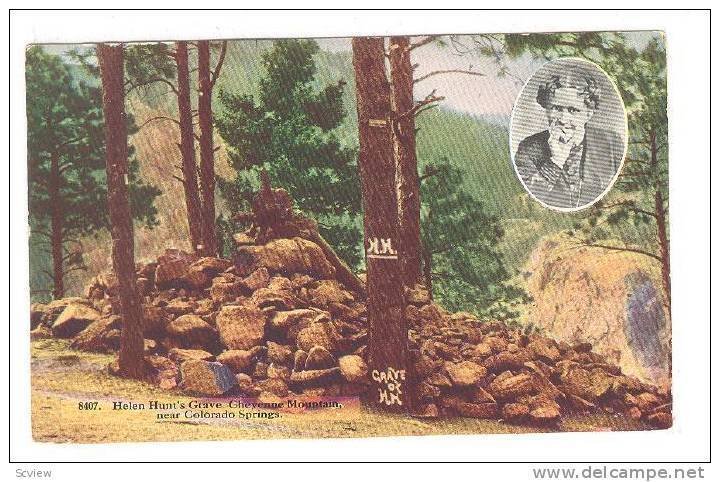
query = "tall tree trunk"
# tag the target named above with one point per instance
(187, 147)
(427, 272)
(110, 58)
(406, 167)
(56, 227)
(388, 331)
(661, 220)
(207, 161)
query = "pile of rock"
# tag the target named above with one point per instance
(276, 322)
(486, 370)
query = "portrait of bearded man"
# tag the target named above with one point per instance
(573, 162)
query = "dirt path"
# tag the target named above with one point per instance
(62, 378)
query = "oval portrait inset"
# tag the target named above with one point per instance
(568, 134)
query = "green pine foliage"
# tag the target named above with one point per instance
(65, 120)
(289, 129)
(460, 239)
(640, 74)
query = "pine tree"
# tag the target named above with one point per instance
(206, 82)
(111, 63)
(640, 198)
(151, 64)
(66, 162)
(191, 188)
(388, 329)
(405, 110)
(462, 266)
(406, 163)
(289, 130)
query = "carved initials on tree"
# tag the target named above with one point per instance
(390, 394)
(381, 247)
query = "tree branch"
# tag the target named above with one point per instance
(420, 43)
(216, 72)
(627, 205)
(429, 172)
(160, 117)
(80, 267)
(617, 248)
(429, 99)
(150, 81)
(448, 71)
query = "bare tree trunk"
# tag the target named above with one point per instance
(207, 161)
(661, 220)
(56, 227)
(406, 174)
(187, 147)
(110, 59)
(388, 331)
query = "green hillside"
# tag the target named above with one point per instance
(478, 147)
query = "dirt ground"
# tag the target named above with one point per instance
(63, 379)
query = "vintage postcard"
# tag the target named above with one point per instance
(349, 237)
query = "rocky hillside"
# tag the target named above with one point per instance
(611, 299)
(276, 322)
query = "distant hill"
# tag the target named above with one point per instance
(478, 146)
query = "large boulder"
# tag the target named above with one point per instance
(276, 299)
(321, 334)
(465, 373)
(37, 311)
(319, 358)
(509, 386)
(282, 320)
(161, 371)
(279, 354)
(613, 300)
(48, 313)
(225, 288)
(98, 336)
(314, 376)
(296, 255)
(191, 331)
(238, 360)
(41, 332)
(180, 355)
(173, 268)
(210, 266)
(328, 292)
(353, 368)
(171, 273)
(200, 273)
(180, 306)
(589, 385)
(241, 327)
(207, 378)
(73, 319)
(260, 278)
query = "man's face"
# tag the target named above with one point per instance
(566, 112)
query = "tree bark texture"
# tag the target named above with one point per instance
(661, 221)
(207, 161)
(406, 166)
(56, 227)
(187, 147)
(131, 357)
(389, 360)
(427, 272)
